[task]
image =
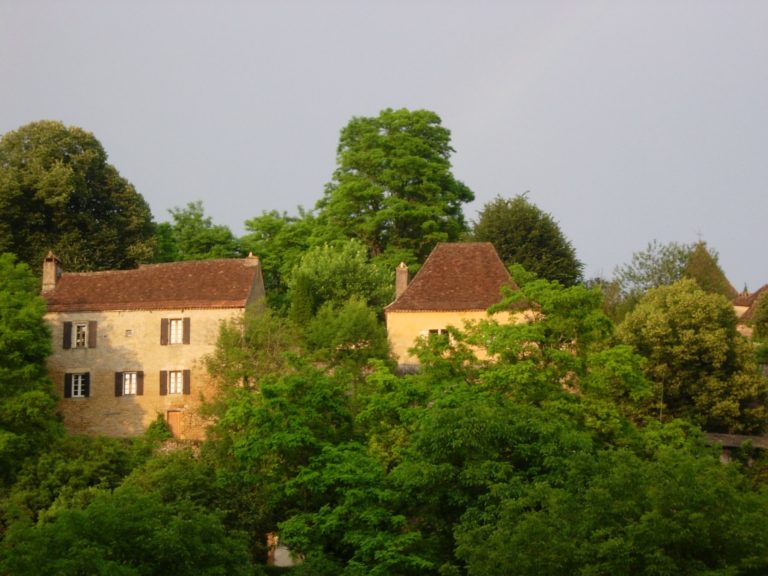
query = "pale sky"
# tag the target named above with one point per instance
(628, 121)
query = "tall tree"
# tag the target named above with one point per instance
(393, 188)
(280, 241)
(702, 368)
(658, 265)
(702, 266)
(27, 406)
(194, 236)
(57, 192)
(524, 234)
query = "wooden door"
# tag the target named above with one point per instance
(174, 418)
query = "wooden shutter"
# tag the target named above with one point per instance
(186, 333)
(67, 385)
(187, 381)
(163, 382)
(139, 383)
(92, 336)
(164, 332)
(118, 383)
(87, 384)
(67, 335)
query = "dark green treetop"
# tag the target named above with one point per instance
(524, 234)
(57, 192)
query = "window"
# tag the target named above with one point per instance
(77, 385)
(174, 382)
(439, 334)
(174, 331)
(81, 334)
(129, 383)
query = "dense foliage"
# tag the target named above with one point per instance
(559, 443)
(525, 235)
(57, 192)
(393, 189)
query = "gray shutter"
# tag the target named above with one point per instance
(118, 383)
(92, 334)
(187, 381)
(67, 335)
(139, 383)
(163, 382)
(164, 332)
(67, 385)
(185, 335)
(87, 384)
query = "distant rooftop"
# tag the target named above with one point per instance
(456, 276)
(196, 284)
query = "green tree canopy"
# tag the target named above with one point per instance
(27, 406)
(334, 274)
(57, 192)
(393, 188)
(194, 236)
(702, 266)
(658, 265)
(702, 368)
(280, 241)
(523, 234)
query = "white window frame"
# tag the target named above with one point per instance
(175, 331)
(175, 381)
(130, 383)
(80, 334)
(78, 385)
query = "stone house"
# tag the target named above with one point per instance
(457, 284)
(129, 345)
(744, 305)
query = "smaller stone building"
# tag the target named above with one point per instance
(129, 345)
(457, 284)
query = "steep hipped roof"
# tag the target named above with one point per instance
(198, 284)
(456, 276)
(750, 302)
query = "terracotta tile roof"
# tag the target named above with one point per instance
(456, 276)
(750, 301)
(196, 284)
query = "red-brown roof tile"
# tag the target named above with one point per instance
(456, 276)
(750, 301)
(196, 284)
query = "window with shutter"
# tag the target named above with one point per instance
(77, 385)
(175, 331)
(129, 383)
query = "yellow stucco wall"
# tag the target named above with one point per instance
(130, 341)
(403, 328)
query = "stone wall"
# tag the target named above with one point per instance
(130, 341)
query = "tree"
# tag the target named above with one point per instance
(657, 265)
(57, 192)
(194, 236)
(702, 368)
(126, 532)
(27, 405)
(760, 317)
(279, 241)
(393, 188)
(702, 266)
(524, 234)
(334, 274)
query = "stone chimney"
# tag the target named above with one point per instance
(401, 279)
(51, 272)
